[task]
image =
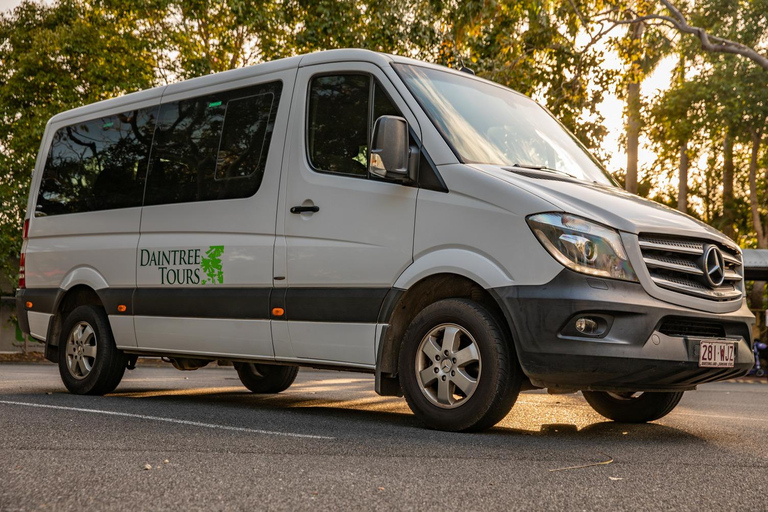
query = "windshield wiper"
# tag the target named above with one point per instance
(545, 169)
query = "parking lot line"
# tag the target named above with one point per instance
(168, 420)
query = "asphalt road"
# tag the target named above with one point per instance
(330, 442)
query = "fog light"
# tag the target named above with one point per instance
(586, 325)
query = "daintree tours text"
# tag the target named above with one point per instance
(186, 266)
(168, 263)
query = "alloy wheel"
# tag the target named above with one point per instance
(81, 350)
(448, 366)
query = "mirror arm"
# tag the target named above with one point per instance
(414, 157)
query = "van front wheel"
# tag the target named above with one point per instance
(457, 368)
(266, 378)
(89, 361)
(633, 407)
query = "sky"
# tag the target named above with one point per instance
(8, 4)
(612, 108)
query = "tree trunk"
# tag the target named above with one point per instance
(728, 213)
(757, 223)
(634, 121)
(682, 194)
(633, 135)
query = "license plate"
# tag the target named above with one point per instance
(717, 354)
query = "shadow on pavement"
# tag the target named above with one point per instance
(604, 430)
(373, 411)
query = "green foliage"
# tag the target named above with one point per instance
(714, 96)
(53, 59)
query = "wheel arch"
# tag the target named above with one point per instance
(459, 261)
(421, 294)
(86, 276)
(66, 301)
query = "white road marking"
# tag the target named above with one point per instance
(168, 420)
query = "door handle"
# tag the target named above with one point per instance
(305, 209)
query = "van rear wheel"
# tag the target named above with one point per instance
(457, 368)
(633, 407)
(89, 361)
(266, 378)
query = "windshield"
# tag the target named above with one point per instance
(490, 124)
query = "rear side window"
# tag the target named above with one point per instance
(212, 147)
(340, 119)
(98, 164)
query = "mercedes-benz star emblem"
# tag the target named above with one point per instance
(714, 266)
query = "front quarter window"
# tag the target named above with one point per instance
(490, 124)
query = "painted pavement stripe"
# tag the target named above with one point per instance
(168, 420)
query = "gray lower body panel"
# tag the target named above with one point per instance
(645, 344)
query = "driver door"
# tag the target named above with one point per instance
(346, 236)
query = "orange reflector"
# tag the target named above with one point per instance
(278, 311)
(29, 305)
(121, 308)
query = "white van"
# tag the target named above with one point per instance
(367, 212)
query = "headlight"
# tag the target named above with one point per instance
(582, 245)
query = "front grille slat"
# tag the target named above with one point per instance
(693, 288)
(655, 244)
(674, 264)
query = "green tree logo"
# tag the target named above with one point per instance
(211, 265)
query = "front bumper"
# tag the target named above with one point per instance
(632, 354)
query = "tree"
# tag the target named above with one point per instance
(709, 42)
(54, 58)
(723, 103)
(210, 36)
(634, 102)
(674, 118)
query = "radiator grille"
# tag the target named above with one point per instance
(679, 265)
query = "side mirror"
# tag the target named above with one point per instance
(389, 148)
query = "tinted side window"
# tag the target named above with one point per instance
(98, 164)
(212, 147)
(244, 136)
(340, 121)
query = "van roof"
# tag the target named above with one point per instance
(321, 57)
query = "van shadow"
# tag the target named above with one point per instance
(393, 412)
(605, 430)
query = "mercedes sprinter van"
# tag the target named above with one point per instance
(366, 212)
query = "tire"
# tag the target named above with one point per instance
(89, 361)
(450, 401)
(631, 408)
(266, 378)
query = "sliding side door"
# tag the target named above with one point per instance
(204, 265)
